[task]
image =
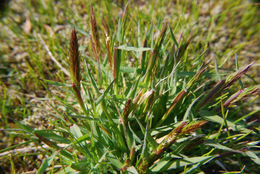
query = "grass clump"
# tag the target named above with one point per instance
(142, 101)
(146, 126)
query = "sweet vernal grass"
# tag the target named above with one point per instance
(129, 134)
(144, 100)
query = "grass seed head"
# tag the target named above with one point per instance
(74, 59)
(126, 111)
(94, 48)
(94, 29)
(233, 78)
(193, 127)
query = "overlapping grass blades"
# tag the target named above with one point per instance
(125, 125)
(144, 106)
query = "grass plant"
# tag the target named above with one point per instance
(132, 87)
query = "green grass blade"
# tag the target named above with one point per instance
(46, 163)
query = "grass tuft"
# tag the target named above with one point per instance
(139, 92)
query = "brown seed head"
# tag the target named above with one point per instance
(235, 77)
(193, 127)
(74, 59)
(94, 29)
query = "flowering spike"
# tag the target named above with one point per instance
(74, 62)
(94, 29)
(233, 78)
(193, 127)
(74, 59)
